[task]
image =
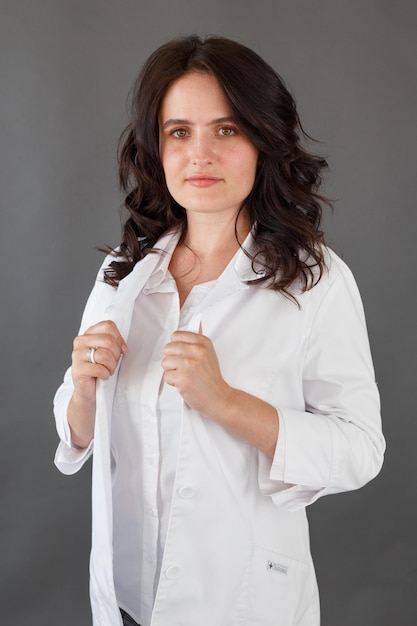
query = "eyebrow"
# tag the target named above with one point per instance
(182, 122)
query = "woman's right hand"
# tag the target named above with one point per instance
(108, 346)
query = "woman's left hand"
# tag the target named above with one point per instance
(191, 365)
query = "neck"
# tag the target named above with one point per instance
(208, 237)
(208, 246)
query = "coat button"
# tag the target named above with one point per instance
(173, 572)
(186, 492)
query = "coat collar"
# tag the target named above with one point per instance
(154, 266)
(130, 286)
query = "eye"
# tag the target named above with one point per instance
(227, 131)
(179, 133)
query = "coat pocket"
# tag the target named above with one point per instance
(282, 591)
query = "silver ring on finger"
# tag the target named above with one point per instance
(90, 355)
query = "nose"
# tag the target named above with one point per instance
(201, 149)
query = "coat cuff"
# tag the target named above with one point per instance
(69, 459)
(284, 478)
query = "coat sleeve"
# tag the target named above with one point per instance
(68, 458)
(336, 443)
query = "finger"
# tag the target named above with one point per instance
(108, 327)
(84, 371)
(170, 378)
(185, 351)
(104, 359)
(105, 334)
(186, 342)
(174, 362)
(185, 336)
(103, 356)
(97, 352)
(105, 345)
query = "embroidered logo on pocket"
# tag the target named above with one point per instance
(272, 566)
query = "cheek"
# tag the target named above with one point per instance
(248, 155)
(170, 160)
(172, 171)
(166, 164)
(249, 164)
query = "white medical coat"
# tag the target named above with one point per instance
(237, 548)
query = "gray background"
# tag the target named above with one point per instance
(66, 68)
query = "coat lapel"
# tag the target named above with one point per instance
(121, 309)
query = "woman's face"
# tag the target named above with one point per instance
(209, 163)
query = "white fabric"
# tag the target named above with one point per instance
(146, 430)
(237, 545)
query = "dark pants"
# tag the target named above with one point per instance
(127, 620)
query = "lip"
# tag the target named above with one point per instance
(202, 180)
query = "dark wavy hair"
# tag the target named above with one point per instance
(284, 204)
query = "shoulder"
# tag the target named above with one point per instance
(336, 293)
(338, 271)
(336, 275)
(320, 277)
(335, 266)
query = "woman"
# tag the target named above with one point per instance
(246, 389)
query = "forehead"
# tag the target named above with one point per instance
(194, 93)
